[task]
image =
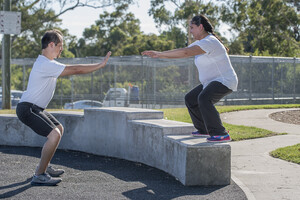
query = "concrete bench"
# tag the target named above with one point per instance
(138, 135)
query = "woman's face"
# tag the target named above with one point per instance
(196, 30)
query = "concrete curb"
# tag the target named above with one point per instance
(245, 189)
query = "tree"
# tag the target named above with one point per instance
(183, 14)
(175, 34)
(39, 16)
(265, 27)
(120, 33)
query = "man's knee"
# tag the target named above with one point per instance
(61, 129)
(54, 135)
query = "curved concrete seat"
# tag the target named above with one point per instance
(139, 135)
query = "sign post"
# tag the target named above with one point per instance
(10, 23)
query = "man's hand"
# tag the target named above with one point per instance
(84, 68)
(103, 63)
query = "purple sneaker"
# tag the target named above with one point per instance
(219, 138)
(198, 134)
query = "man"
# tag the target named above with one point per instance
(40, 90)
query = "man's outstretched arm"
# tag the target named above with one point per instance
(84, 68)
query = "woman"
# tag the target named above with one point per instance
(216, 75)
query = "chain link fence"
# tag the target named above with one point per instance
(163, 83)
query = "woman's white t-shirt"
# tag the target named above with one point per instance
(214, 65)
(42, 81)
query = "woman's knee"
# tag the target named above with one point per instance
(187, 99)
(190, 99)
(203, 100)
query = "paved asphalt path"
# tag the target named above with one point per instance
(96, 177)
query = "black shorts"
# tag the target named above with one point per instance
(39, 120)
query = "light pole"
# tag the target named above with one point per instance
(6, 55)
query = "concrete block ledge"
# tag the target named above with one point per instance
(139, 135)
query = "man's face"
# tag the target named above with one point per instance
(58, 49)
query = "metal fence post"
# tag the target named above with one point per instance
(190, 76)
(294, 80)
(23, 84)
(147, 89)
(115, 82)
(101, 84)
(92, 85)
(273, 66)
(250, 86)
(142, 88)
(154, 85)
(281, 80)
(61, 93)
(72, 89)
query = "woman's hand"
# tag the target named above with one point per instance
(152, 54)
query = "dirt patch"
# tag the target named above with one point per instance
(290, 117)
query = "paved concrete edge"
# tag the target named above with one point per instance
(246, 190)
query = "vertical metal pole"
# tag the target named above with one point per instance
(24, 71)
(6, 55)
(101, 83)
(154, 85)
(250, 86)
(273, 66)
(72, 90)
(294, 97)
(115, 84)
(142, 81)
(92, 85)
(281, 83)
(61, 93)
(190, 75)
(147, 85)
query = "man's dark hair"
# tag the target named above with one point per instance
(51, 36)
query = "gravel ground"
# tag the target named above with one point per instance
(290, 117)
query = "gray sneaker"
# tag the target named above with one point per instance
(54, 172)
(44, 179)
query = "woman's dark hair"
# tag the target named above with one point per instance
(201, 19)
(51, 36)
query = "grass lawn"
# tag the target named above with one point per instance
(236, 132)
(290, 153)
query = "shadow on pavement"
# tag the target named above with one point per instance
(107, 177)
(16, 191)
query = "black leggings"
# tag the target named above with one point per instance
(200, 103)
